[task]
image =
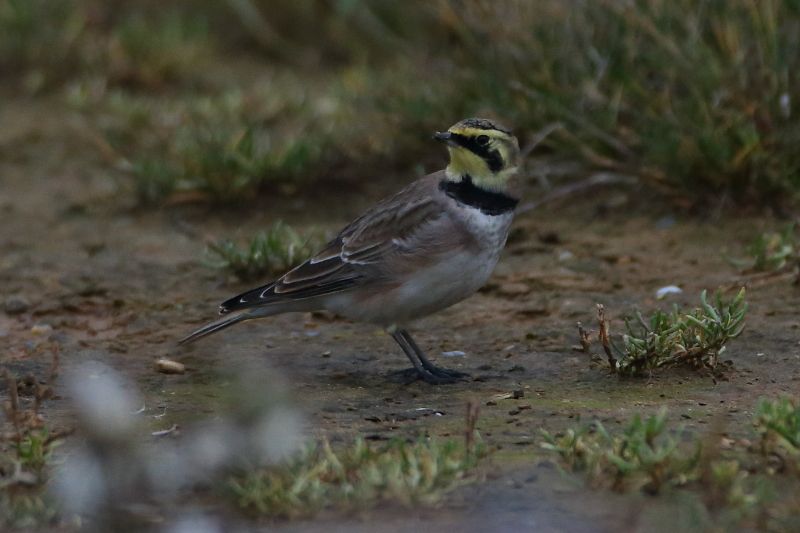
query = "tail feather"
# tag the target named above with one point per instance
(248, 314)
(215, 326)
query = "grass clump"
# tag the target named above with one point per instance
(26, 451)
(223, 148)
(778, 423)
(269, 252)
(695, 98)
(155, 51)
(359, 475)
(730, 487)
(773, 252)
(642, 456)
(694, 339)
(27, 440)
(40, 40)
(51, 42)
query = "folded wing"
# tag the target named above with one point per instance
(357, 256)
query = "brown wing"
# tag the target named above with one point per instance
(357, 254)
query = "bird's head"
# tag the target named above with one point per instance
(483, 150)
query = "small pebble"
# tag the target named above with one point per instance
(669, 289)
(514, 289)
(665, 222)
(42, 329)
(15, 305)
(167, 366)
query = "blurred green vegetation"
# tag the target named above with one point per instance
(729, 484)
(696, 98)
(772, 251)
(357, 476)
(778, 423)
(268, 253)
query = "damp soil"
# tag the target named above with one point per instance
(122, 284)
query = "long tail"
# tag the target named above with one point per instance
(217, 325)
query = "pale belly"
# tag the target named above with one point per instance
(430, 290)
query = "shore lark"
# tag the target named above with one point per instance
(429, 246)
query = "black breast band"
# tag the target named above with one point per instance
(467, 193)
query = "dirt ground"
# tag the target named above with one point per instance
(121, 285)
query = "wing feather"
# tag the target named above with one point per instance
(358, 255)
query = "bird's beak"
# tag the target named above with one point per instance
(445, 137)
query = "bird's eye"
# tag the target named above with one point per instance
(483, 140)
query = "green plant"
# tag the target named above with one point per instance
(153, 51)
(729, 483)
(40, 39)
(26, 451)
(357, 475)
(642, 456)
(55, 41)
(221, 148)
(679, 338)
(26, 511)
(269, 252)
(772, 251)
(730, 486)
(778, 424)
(35, 449)
(694, 97)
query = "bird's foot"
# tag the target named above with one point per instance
(405, 376)
(434, 376)
(445, 372)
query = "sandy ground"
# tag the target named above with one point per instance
(122, 285)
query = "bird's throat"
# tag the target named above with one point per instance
(465, 192)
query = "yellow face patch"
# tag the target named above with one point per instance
(463, 161)
(488, 156)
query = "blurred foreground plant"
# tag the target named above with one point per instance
(269, 252)
(361, 474)
(356, 475)
(679, 338)
(26, 449)
(728, 486)
(641, 456)
(778, 423)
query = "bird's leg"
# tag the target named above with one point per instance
(419, 368)
(426, 363)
